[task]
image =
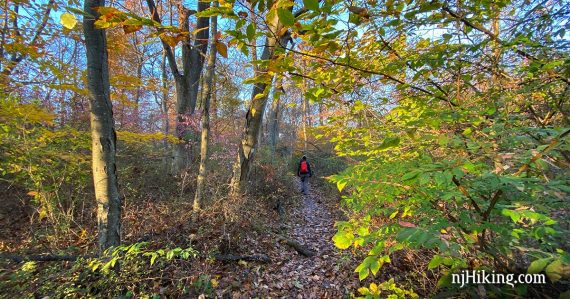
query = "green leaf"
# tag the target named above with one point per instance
(343, 240)
(68, 20)
(170, 255)
(318, 92)
(153, 258)
(362, 231)
(393, 214)
(445, 280)
(410, 175)
(370, 264)
(311, 4)
(286, 17)
(362, 274)
(250, 31)
(435, 261)
(515, 216)
(538, 265)
(375, 266)
(389, 142)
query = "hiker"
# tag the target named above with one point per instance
(304, 172)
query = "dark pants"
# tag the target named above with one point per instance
(304, 183)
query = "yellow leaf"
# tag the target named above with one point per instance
(252, 111)
(374, 288)
(199, 29)
(42, 213)
(68, 20)
(214, 282)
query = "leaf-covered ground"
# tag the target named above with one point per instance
(327, 274)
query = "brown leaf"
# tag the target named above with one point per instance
(222, 49)
(406, 224)
(131, 28)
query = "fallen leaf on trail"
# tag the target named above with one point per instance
(406, 224)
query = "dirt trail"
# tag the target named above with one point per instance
(327, 274)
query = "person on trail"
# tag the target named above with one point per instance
(304, 172)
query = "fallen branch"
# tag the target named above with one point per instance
(300, 248)
(249, 258)
(41, 258)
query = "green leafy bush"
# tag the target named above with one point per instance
(117, 274)
(51, 164)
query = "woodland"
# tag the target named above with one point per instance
(150, 149)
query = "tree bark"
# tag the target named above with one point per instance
(197, 54)
(321, 114)
(214, 105)
(164, 103)
(103, 135)
(207, 91)
(186, 82)
(274, 116)
(254, 115)
(305, 119)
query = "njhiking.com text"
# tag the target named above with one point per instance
(484, 277)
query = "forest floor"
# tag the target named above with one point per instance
(258, 230)
(328, 273)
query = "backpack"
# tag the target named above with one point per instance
(304, 167)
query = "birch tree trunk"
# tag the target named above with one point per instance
(102, 131)
(207, 91)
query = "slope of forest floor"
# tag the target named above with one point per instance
(261, 225)
(239, 227)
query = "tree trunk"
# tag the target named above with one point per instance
(179, 149)
(196, 56)
(321, 114)
(186, 83)
(102, 131)
(214, 105)
(305, 108)
(164, 104)
(207, 91)
(138, 95)
(274, 116)
(254, 115)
